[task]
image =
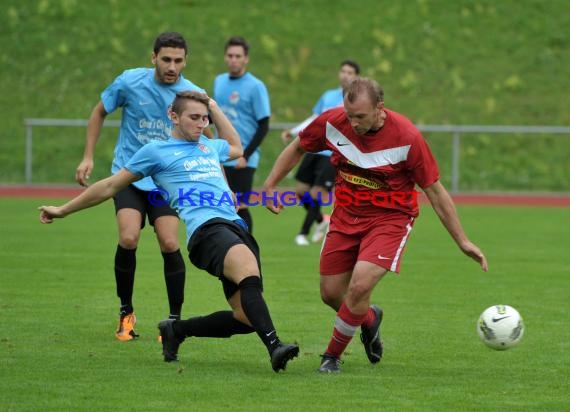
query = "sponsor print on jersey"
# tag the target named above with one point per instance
(153, 129)
(362, 181)
(202, 168)
(234, 97)
(203, 148)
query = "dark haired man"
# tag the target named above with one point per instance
(245, 101)
(144, 95)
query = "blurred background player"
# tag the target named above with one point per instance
(245, 101)
(316, 173)
(144, 94)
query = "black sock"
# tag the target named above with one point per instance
(257, 312)
(215, 325)
(319, 216)
(125, 265)
(313, 215)
(126, 309)
(175, 277)
(246, 216)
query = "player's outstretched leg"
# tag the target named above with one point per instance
(220, 324)
(256, 310)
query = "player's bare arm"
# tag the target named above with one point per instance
(445, 210)
(286, 161)
(94, 126)
(93, 195)
(225, 129)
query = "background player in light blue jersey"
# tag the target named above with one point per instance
(144, 95)
(185, 167)
(245, 101)
(315, 173)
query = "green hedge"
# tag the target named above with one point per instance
(440, 62)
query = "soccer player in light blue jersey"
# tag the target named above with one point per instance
(187, 170)
(316, 174)
(144, 95)
(245, 101)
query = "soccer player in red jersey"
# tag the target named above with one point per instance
(378, 154)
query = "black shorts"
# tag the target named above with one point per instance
(134, 198)
(240, 182)
(210, 243)
(316, 170)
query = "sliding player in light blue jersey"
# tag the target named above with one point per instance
(187, 170)
(316, 174)
(144, 95)
(245, 101)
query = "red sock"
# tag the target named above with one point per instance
(369, 319)
(345, 326)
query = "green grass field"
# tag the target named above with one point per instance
(58, 314)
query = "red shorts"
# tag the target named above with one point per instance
(376, 239)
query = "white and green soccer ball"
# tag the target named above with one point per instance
(500, 327)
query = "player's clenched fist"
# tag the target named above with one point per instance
(49, 213)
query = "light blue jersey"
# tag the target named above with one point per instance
(145, 105)
(245, 101)
(329, 100)
(189, 174)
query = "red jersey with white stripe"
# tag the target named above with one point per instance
(382, 166)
